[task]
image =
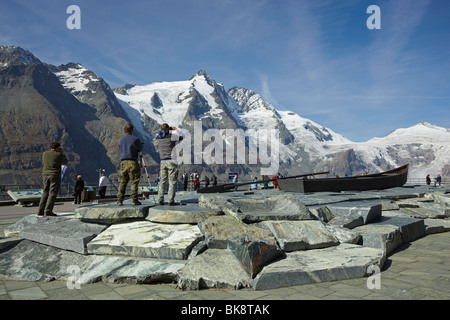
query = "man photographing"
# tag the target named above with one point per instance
(129, 146)
(166, 139)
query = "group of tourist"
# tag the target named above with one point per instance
(195, 180)
(129, 171)
(437, 180)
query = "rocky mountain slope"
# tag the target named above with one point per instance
(37, 106)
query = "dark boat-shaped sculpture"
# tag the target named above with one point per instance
(230, 186)
(378, 181)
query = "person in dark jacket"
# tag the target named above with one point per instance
(438, 180)
(206, 179)
(166, 140)
(52, 159)
(185, 179)
(130, 170)
(79, 187)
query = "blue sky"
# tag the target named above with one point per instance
(316, 58)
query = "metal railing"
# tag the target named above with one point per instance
(67, 189)
(422, 181)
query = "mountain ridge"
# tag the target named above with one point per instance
(91, 112)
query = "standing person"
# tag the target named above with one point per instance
(102, 184)
(166, 139)
(195, 180)
(185, 179)
(79, 187)
(235, 181)
(254, 185)
(266, 184)
(438, 180)
(129, 146)
(206, 179)
(214, 180)
(428, 179)
(52, 159)
(275, 183)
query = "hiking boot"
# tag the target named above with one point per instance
(161, 203)
(173, 203)
(119, 203)
(136, 203)
(50, 214)
(40, 214)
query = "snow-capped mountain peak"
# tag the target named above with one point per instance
(248, 100)
(11, 55)
(304, 144)
(423, 132)
(75, 78)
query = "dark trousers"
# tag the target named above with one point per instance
(78, 196)
(48, 199)
(102, 192)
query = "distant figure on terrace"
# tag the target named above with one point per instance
(428, 179)
(438, 180)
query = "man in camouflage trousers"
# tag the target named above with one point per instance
(130, 170)
(167, 139)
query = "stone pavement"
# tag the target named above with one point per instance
(419, 270)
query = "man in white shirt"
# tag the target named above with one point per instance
(102, 184)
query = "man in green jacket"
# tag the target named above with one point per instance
(51, 176)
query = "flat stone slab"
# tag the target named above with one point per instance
(346, 261)
(221, 229)
(410, 228)
(189, 213)
(280, 207)
(425, 212)
(61, 232)
(110, 213)
(404, 192)
(214, 268)
(32, 219)
(33, 261)
(349, 222)
(131, 271)
(323, 213)
(385, 237)
(440, 198)
(301, 235)
(344, 235)
(436, 226)
(321, 198)
(253, 255)
(147, 240)
(369, 210)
